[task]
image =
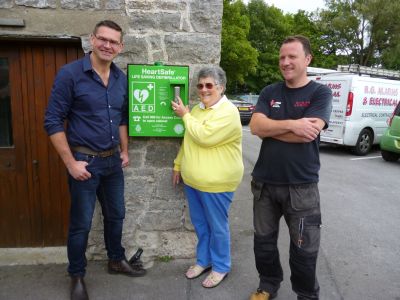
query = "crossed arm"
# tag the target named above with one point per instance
(303, 130)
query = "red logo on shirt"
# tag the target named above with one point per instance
(302, 103)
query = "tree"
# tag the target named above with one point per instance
(366, 31)
(305, 24)
(268, 28)
(361, 32)
(238, 57)
(384, 32)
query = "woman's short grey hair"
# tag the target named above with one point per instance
(215, 72)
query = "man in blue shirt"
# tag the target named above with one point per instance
(91, 94)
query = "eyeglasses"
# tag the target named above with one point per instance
(208, 85)
(104, 41)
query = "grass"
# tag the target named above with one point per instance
(165, 258)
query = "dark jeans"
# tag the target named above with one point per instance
(107, 183)
(299, 204)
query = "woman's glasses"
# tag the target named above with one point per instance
(208, 85)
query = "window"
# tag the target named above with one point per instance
(6, 136)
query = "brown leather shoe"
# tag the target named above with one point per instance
(123, 267)
(78, 289)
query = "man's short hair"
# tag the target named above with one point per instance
(109, 24)
(302, 39)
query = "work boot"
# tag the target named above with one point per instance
(262, 295)
(78, 289)
(124, 268)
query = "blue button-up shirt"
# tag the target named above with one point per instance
(93, 111)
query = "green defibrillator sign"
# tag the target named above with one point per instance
(151, 88)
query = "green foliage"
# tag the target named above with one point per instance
(304, 24)
(391, 55)
(364, 32)
(268, 28)
(238, 57)
(165, 258)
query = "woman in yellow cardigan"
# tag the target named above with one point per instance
(210, 164)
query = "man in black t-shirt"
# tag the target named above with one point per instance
(288, 118)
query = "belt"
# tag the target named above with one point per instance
(89, 151)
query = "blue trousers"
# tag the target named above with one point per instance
(107, 184)
(209, 215)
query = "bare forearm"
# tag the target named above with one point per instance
(293, 131)
(302, 135)
(77, 169)
(290, 137)
(123, 136)
(263, 127)
(59, 141)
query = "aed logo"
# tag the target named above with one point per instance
(143, 97)
(143, 108)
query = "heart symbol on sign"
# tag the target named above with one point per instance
(141, 95)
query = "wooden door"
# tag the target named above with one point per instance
(34, 200)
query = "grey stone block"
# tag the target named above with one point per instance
(115, 4)
(156, 42)
(37, 3)
(139, 187)
(136, 159)
(193, 48)
(164, 188)
(178, 244)
(158, 204)
(173, 5)
(140, 5)
(162, 220)
(148, 239)
(161, 155)
(76, 4)
(139, 143)
(206, 16)
(143, 172)
(164, 21)
(6, 3)
(169, 5)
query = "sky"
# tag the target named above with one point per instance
(292, 6)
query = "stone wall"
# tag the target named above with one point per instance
(176, 32)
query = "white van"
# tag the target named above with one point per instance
(360, 109)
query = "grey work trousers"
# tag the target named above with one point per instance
(300, 206)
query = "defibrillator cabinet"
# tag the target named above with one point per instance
(151, 88)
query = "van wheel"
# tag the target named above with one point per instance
(364, 142)
(389, 156)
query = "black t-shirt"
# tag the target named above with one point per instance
(291, 163)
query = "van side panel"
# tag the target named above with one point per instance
(340, 90)
(374, 100)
